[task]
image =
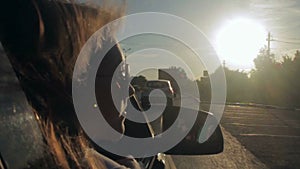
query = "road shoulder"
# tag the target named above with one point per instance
(235, 156)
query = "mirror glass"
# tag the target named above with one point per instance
(190, 145)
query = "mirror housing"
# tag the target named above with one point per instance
(190, 144)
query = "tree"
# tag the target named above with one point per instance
(238, 88)
(265, 78)
(290, 72)
(276, 82)
(180, 72)
(264, 61)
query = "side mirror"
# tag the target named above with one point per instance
(190, 145)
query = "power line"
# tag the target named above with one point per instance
(286, 38)
(269, 39)
(284, 48)
(276, 40)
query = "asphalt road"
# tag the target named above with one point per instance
(255, 138)
(235, 156)
(272, 135)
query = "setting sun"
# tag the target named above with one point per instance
(239, 41)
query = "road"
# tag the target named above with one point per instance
(255, 138)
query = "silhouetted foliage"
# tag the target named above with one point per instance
(276, 82)
(179, 80)
(139, 81)
(180, 72)
(237, 85)
(272, 82)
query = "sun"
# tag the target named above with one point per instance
(239, 41)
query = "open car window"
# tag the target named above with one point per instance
(21, 142)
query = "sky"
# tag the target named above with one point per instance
(279, 17)
(154, 51)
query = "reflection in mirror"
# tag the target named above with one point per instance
(191, 144)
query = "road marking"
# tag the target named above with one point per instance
(247, 114)
(252, 118)
(234, 106)
(255, 125)
(270, 135)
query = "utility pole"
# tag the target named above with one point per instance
(269, 40)
(224, 63)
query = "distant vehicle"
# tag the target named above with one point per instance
(163, 85)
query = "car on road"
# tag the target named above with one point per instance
(156, 97)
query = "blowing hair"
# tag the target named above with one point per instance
(42, 40)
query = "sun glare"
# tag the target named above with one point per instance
(239, 41)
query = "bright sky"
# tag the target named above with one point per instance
(156, 51)
(280, 17)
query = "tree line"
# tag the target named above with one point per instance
(271, 82)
